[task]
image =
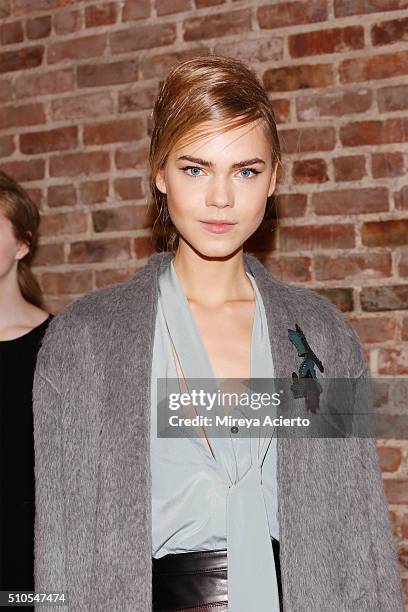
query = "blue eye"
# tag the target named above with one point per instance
(191, 168)
(254, 172)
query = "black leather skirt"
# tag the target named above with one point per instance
(197, 581)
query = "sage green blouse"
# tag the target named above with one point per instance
(227, 499)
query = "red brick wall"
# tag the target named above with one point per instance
(77, 82)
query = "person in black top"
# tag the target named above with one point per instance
(23, 322)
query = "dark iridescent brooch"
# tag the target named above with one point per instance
(305, 384)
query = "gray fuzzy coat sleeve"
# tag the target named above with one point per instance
(49, 546)
(57, 363)
(390, 594)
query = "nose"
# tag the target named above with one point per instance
(219, 193)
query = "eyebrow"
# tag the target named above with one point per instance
(203, 162)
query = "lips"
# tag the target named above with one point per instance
(218, 222)
(218, 227)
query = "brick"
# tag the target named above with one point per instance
(77, 49)
(36, 196)
(61, 195)
(144, 246)
(206, 3)
(403, 556)
(75, 164)
(21, 59)
(334, 40)
(135, 9)
(387, 164)
(393, 98)
(350, 201)
(285, 14)
(131, 158)
(103, 250)
(289, 269)
(40, 27)
(374, 329)
(7, 146)
(309, 171)
(122, 218)
(6, 90)
(169, 7)
(333, 104)
(93, 192)
(113, 131)
(74, 281)
(104, 278)
(361, 133)
(143, 37)
(67, 22)
(390, 458)
(355, 266)
(342, 297)
(5, 9)
(344, 8)
(22, 7)
(58, 81)
(281, 110)
(404, 331)
(308, 139)
(60, 139)
(349, 168)
(141, 98)
(291, 205)
(260, 49)
(98, 75)
(386, 297)
(389, 32)
(385, 233)
(374, 67)
(23, 171)
(11, 33)
(217, 24)
(290, 78)
(129, 188)
(401, 198)
(100, 15)
(16, 116)
(81, 106)
(61, 224)
(311, 237)
(49, 255)
(394, 362)
(159, 65)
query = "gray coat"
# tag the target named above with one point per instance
(91, 425)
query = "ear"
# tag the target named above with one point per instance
(160, 182)
(23, 248)
(272, 184)
(22, 251)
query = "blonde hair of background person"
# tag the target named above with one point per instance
(21, 300)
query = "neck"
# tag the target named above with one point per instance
(212, 281)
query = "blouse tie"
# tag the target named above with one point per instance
(252, 582)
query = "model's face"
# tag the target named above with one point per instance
(11, 250)
(225, 177)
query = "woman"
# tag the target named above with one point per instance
(130, 520)
(23, 322)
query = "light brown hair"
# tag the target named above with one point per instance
(205, 88)
(20, 210)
